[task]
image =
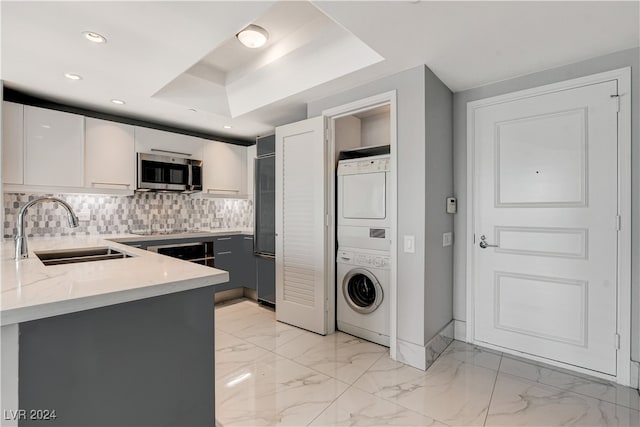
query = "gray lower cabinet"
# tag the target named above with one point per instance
(266, 279)
(247, 264)
(235, 255)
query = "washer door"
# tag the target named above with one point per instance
(362, 291)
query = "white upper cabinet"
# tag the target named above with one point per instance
(224, 169)
(251, 158)
(110, 158)
(54, 143)
(167, 144)
(12, 143)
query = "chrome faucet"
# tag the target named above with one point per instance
(21, 239)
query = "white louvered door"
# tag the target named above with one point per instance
(301, 231)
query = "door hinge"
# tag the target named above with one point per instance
(618, 223)
(617, 337)
(327, 220)
(617, 98)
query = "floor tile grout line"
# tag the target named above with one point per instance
(492, 391)
(370, 366)
(329, 405)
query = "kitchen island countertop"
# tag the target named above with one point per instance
(31, 290)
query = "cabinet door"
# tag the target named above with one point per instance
(167, 143)
(12, 143)
(54, 143)
(266, 278)
(251, 160)
(225, 169)
(109, 155)
(225, 252)
(247, 263)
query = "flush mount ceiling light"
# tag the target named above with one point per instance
(118, 101)
(227, 127)
(253, 36)
(94, 37)
(72, 76)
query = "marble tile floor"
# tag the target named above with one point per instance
(269, 373)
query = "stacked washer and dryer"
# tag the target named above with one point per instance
(363, 268)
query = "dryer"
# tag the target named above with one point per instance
(362, 294)
(364, 203)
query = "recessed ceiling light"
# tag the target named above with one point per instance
(253, 36)
(94, 37)
(72, 76)
(227, 127)
(118, 101)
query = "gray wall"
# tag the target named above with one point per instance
(416, 279)
(630, 57)
(438, 302)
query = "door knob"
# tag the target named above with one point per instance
(484, 244)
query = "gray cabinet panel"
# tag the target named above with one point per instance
(266, 275)
(235, 255)
(246, 264)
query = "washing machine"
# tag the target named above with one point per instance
(363, 294)
(364, 203)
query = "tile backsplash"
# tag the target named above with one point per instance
(113, 214)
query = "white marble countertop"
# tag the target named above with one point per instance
(190, 234)
(31, 290)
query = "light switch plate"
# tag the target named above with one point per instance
(447, 239)
(410, 244)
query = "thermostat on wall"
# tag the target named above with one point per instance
(452, 205)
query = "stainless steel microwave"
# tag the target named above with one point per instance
(166, 173)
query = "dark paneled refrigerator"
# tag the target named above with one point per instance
(265, 218)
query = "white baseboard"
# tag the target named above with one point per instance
(411, 354)
(422, 357)
(460, 330)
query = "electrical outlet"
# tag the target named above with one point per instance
(84, 215)
(447, 239)
(410, 244)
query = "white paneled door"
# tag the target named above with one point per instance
(545, 224)
(302, 274)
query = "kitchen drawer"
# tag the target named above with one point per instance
(226, 243)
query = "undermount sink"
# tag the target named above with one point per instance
(70, 256)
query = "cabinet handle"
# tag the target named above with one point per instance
(223, 238)
(248, 238)
(218, 190)
(223, 253)
(157, 150)
(94, 183)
